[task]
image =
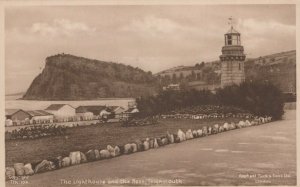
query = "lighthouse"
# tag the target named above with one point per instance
(232, 59)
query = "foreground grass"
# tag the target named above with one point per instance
(99, 136)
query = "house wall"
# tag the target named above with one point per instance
(86, 116)
(65, 111)
(48, 118)
(20, 115)
(8, 122)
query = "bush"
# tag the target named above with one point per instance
(260, 98)
(166, 101)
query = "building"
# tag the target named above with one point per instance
(131, 104)
(201, 85)
(8, 122)
(132, 110)
(17, 116)
(21, 117)
(232, 59)
(117, 111)
(85, 116)
(129, 113)
(61, 110)
(96, 110)
(181, 72)
(174, 87)
(40, 116)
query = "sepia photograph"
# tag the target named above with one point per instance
(149, 94)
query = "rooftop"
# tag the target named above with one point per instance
(232, 31)
(9, 112)
(56, 106)
(38, 113)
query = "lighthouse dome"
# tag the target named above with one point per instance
(232, 31)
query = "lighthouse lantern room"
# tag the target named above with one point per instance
(232, 59)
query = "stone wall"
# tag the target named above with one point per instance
(232, 73)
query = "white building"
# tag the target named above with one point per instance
(94, 109)
(84, 116)
(61, 110)
(117, 111)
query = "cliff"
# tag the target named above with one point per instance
(68, 77)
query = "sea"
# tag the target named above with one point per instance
(13, 102)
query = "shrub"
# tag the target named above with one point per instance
(166, 101)
(260, 98)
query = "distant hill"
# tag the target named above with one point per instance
(206, 72)
(279, 68)
(68, 77)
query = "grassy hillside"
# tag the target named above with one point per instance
(279, 68)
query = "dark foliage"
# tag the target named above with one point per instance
(166, 101)
(36, 132)
(259, 98)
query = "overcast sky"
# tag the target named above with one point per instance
(153, 38)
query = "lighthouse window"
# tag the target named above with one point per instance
(239, 66)
(229, 39)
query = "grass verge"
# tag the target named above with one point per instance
(84, 138)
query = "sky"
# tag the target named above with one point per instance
(151, 37)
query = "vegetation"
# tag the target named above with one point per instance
(279, 69)
(259, 98)
(209, 109)
(282, 74)
(166, 101)
(35, 132)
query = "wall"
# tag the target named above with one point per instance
(65, 111)
(185, 73)
(231, 74)
(20, 115)
(42, 118)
